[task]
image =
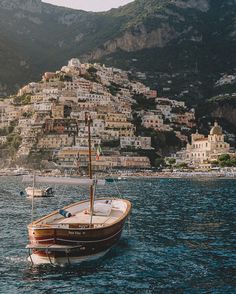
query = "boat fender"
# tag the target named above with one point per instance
(65, 213)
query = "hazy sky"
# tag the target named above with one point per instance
(90, 5)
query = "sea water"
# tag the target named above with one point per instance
(180, 239)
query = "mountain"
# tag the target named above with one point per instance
(180, 47)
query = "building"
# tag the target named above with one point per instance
(204, 150)
(130, 162)
(42, 107)
(54, 141)
(152, 120)
(75, 157)
(74, 63)
(136, 142)
(58, 111)
(61, 126)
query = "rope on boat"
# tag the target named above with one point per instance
(32, 203)
(111, 175)
(129, 225)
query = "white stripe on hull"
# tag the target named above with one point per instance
(39, 260)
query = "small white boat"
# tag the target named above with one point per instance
(36, 192)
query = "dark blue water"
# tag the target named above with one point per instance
(181, 239)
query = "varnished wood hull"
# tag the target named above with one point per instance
(73, 244)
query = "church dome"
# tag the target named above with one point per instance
(216, 130)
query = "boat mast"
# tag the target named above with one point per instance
(88, 122)
(32, 204)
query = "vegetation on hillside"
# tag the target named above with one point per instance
(225, 160)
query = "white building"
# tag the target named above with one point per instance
(74, 63)
(136, 142)
(43, 107)
(203, 150)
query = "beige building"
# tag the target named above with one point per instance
(119, 125)
(203, 150)
(106, 162)
(58, 110)
(108, 135)
(13, 113)
(75, 157)
(54, 141)
(135, 162)
(152, 120)
(82, 141)
(126, 132)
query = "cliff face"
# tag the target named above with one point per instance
(33, 6)
(131, 42)
(202, 5)
(168, 36)
(226, 112)
(166, 23)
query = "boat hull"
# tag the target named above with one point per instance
(31, 192)
(62, 261)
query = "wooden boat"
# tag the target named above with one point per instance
(81, 231)
(36, 192)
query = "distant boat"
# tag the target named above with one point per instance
(111, 180)
(82, 231)
(36, 192)
(121, 179)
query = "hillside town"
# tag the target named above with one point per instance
(45, 122)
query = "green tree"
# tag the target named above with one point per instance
(159, 162)
(181, 165)
(233, 161)
(171, 161)
(224, 157)
(225, 163)
(92, 70)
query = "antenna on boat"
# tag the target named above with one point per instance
(88, 122)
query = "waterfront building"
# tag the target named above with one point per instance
(204, 150)
(74, 157)
(106, 162)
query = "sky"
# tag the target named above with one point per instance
(89, 5)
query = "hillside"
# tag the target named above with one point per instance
(180, 47)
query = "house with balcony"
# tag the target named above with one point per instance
(61, 126)
(153, 121)
(54, 141)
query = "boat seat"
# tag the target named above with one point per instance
(102, 209)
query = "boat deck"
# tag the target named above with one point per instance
(106, 212)
(84, 218)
